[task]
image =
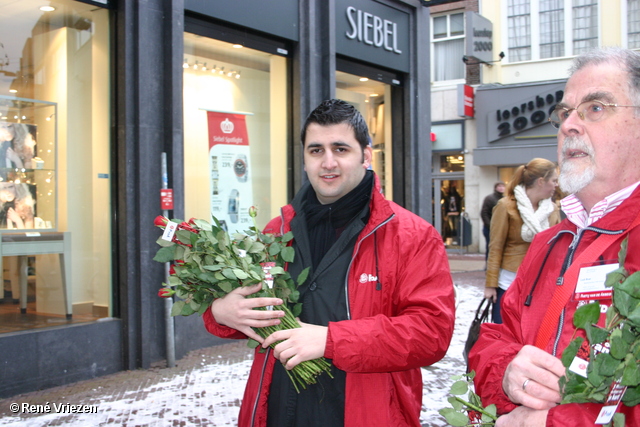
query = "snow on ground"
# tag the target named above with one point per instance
(210, 394)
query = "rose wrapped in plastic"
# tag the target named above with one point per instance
(209, 263)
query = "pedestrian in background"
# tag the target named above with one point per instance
(379, 300)
(526, 210)
(486, 212)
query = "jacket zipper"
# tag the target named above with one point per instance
(255, 404)
(266, 358)
(355, 253)
(569, 259)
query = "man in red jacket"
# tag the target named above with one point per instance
(598, 124)
(378, 302)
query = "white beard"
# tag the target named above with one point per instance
(573, 177)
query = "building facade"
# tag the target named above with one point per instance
(521, 77)
(105, 105)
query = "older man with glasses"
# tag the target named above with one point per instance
(517, 363)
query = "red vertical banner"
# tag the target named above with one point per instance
(231, 189)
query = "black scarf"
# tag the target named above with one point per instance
(326, 222)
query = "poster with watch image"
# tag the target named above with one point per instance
(229, 159)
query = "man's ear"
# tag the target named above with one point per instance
(367, 156)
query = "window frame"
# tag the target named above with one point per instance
(534, 22)
(447, 38)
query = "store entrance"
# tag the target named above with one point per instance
(449, 211)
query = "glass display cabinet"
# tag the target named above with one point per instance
(28, 199)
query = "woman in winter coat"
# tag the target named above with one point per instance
(527, 209)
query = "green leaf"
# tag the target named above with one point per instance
(624, 302)
(202, 224)
(606, 364)
(634, 315)
(454, 418)
(594, 376)
(225, 286)
(287, 237)
(622, 255)
(631, 396)
(631, 374)
(274, 249)
(203, 308)
(570, 351)
(256, 247)
(596, 334)
(627, 334)
(241, 275)
(228, 273)
(187, 310)
(631, 285)
(296, 310)
(176, 308)
(619, 420)
(492, 409)
(586, 315)
(179, 252)
(251, 343)
(184, 236)
(174, 281)
(618, 347)
(163, 242)
(616, 276)
(165, 254)
(457, 405)
(276, 271)
(459, 388)
(302, 277)
(288, 254)
(294, 296)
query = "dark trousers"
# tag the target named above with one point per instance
(485, 233)
(495, 312)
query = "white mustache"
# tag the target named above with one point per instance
(575, 143)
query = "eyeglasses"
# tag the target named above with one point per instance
(589, 111)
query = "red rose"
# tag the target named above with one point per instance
(160, 221)
(166, 293)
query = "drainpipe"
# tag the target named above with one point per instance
(168, 302)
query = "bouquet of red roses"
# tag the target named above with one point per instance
(209, 263)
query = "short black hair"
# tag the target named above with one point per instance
(334, 112)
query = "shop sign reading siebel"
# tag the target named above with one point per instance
(526, 114)
(373, 32)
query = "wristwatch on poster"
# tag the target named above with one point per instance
(240, 168)
(234, 205)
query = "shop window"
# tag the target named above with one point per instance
(235, 131)
(447, 41)
(54, 164)
(373, 100)
(452, 163)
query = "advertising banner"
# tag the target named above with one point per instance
(231, 190)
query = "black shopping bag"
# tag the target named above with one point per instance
(482, 315)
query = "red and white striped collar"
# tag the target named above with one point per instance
(577, 214)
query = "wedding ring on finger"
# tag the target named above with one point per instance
(524, 384)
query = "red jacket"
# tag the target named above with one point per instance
(499, 344)
(391, 332)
